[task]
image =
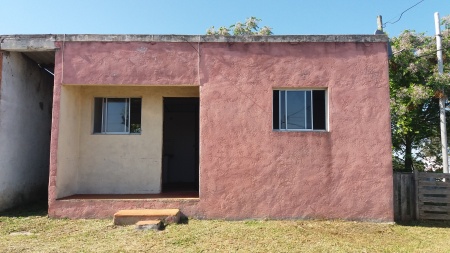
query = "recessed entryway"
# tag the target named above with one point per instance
(180, 159)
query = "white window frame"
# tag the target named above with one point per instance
(326, 116)
(104, 110)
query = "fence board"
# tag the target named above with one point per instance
(431, 190)
(397, 214)
(435, 208)
(428, 176)
(404, 197)
(423, 199)
(433, 196)
(435, 183)
(433, 216)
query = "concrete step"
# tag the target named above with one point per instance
(149, 224)
(130, 217)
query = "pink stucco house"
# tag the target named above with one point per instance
(219, 127)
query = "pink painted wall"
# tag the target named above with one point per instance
(248, 170)
(129, 63)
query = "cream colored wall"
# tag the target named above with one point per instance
(68, 159)
(124, 164)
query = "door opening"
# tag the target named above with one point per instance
(180, 145)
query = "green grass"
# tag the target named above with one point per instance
(30, 230)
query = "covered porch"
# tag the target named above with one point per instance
(154, 159)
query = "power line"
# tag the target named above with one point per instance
(389, 22)
(433, 52)
(423, 55)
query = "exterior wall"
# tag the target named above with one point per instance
(111, 164)
(248, 170)
(343, 173)
(25, 116)
(69, 142)
(128, 63)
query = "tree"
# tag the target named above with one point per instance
(249, 27)
(415, 88)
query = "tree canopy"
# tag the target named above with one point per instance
(415, 88)
(249, 27)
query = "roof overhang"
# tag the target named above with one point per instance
(41, 47)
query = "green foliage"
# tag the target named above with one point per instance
(415, 89)
(249, 27)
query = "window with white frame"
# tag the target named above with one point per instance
(117, 115)
(299, 110)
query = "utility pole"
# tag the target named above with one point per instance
(379, 23)
(442, 98)
(380, 31)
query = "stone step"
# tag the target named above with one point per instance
(149, 224)
(130, 217)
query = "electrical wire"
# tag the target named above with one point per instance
(389, 22)
(433, 52)
(46, 69)
(423, 55)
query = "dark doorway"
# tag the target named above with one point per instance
(180, 144)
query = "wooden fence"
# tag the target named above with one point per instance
(433, 194)
(404, 197)
(421, 196)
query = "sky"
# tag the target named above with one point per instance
(285, 17)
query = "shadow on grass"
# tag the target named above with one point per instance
(426, 223)
(184, 220)
(38, 208)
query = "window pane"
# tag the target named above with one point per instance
(308, 110)
(319, 110)
(135, 115)
(98, 112)
(296, 116)
(116, 115)
(276, 109)
(282, 109)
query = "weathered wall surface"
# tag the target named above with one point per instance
(248, 170)
(111, 163)
(128, 63)
(25, 119)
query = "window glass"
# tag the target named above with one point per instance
(296, 106)
(276, 109)
(299, 110)
(135, 115)
(283, 109)
(308, 110)
(319, 109)
(98, 113)
(117, 115)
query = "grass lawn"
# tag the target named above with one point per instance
(29, 230)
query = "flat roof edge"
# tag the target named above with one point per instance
(43, 42)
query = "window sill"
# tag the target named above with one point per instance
(300, 130)
(116, 133)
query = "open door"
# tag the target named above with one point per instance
(180, 144)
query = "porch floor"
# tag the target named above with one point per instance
(165, 195)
